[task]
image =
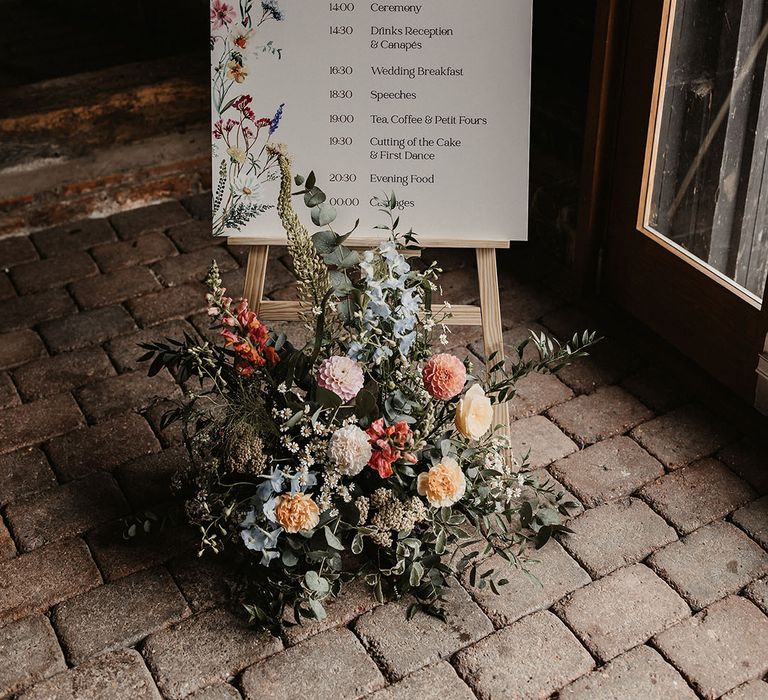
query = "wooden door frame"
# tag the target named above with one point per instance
(624, 91)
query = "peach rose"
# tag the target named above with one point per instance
(444, 376)
(474, 413)
(297, 512)
(443, 484)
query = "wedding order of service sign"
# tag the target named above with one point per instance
(429, 100)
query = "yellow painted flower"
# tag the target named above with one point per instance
(237, 154)
(236, 71)
(474, 413)
(297, 512)
(443, 484)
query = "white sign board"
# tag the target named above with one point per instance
(427, 99)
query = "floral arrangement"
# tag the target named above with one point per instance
(242, 135)
(364, 454)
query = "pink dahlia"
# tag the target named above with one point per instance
(444, 376)
(341, 375)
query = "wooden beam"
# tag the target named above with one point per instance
(461, 315)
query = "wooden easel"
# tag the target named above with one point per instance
(487, 314)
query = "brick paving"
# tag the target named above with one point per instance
(661, 591)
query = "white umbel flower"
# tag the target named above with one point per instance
(349, 450)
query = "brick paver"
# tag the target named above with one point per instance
(125, 392)
(607, 363)
(203, 581)
(536, 393)
(102, 446)
(15, 250)
(175, 302)
(218, 691)
(553, 575)
(114, 287)
(23, 472)
(86, 328)
(65, 511)
(753, 519)
(437, 681)
(78, 235)
(640, 673)
(696, 495)
(19, 347)
(204, 649)
(34, 582)
(32, 423)
(30, 653)
(401, 647)
(130, 224)
(710, 563)
(125, 350)
(18, 313)
(120, 675)
(147, 480)
(328, 666)
(192, 267)
(608, 470)
(53, 272)
(683, 436)
(508, 664)
(193, 235)
(7, 545)
(757, 592)
(355, 599)
(118, 614)
(622, 610)
(541, 440)
(8, 394)
(712, 649)
(607, 412)
(615, 535)
(754, 690)
(747, 457)
(118, 558)
(61, 373)
(144, 249)
(71, 306)
(655, 388)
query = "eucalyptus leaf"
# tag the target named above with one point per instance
(325, 242)
(314, 197)
(317, 609)
(332, 540)
(323, 213)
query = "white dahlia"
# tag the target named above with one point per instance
(349, 450)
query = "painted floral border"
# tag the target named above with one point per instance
(240, 134)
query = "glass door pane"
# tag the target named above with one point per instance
(708, 188)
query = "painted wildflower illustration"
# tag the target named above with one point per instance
(240, 133)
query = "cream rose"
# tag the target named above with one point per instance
(297, 512)
(443, 484)
(474, 413)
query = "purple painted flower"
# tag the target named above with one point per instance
(276, 119)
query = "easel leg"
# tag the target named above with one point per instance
(255, 274)
(490, 308)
